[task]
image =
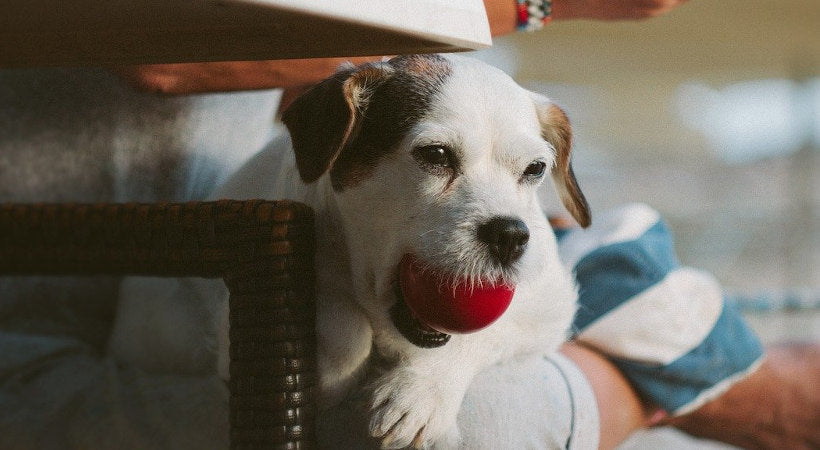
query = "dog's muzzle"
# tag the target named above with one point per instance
(411, 328)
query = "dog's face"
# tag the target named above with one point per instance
(439, 158)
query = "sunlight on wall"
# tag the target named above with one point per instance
(755, 119)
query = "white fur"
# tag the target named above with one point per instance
(362, 233)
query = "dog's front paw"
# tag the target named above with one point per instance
(411, 410)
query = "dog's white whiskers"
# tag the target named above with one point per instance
(431, 230)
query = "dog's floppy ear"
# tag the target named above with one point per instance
(556, 130)
(327, 117)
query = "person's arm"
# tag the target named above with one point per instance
(620, 410)
(724, 384)
(612, 9)
(187, 78)
(777, 406)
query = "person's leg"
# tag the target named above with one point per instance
(534, 402)
(57, 392)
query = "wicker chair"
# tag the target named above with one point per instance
(262, 249)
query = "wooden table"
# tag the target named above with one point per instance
(111, 32)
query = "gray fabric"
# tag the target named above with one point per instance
(81, 135)
(57, 393)
(533, 403)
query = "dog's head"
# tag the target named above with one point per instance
(439, 157)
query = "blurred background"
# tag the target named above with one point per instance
(710, 114)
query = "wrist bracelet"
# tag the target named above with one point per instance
(533, 14)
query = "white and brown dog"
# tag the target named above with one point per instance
(417, 168)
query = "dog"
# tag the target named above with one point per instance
(421, 164)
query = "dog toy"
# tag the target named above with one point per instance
(447, 306)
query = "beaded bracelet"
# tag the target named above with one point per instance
(533, 14)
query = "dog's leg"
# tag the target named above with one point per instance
(345, 339)
(416, 403)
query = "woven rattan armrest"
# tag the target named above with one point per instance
(262, 249)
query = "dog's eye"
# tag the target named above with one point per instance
(434, 155)
(535, 170)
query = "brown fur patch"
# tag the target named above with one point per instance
(387, 113)
(555, 129)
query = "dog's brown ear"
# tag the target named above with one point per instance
(556, 130)
(325, 118)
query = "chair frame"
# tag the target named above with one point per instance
(263, 250)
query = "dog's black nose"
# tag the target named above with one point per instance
(506, 237)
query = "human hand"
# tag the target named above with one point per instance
(612, 9)
(777, 406)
